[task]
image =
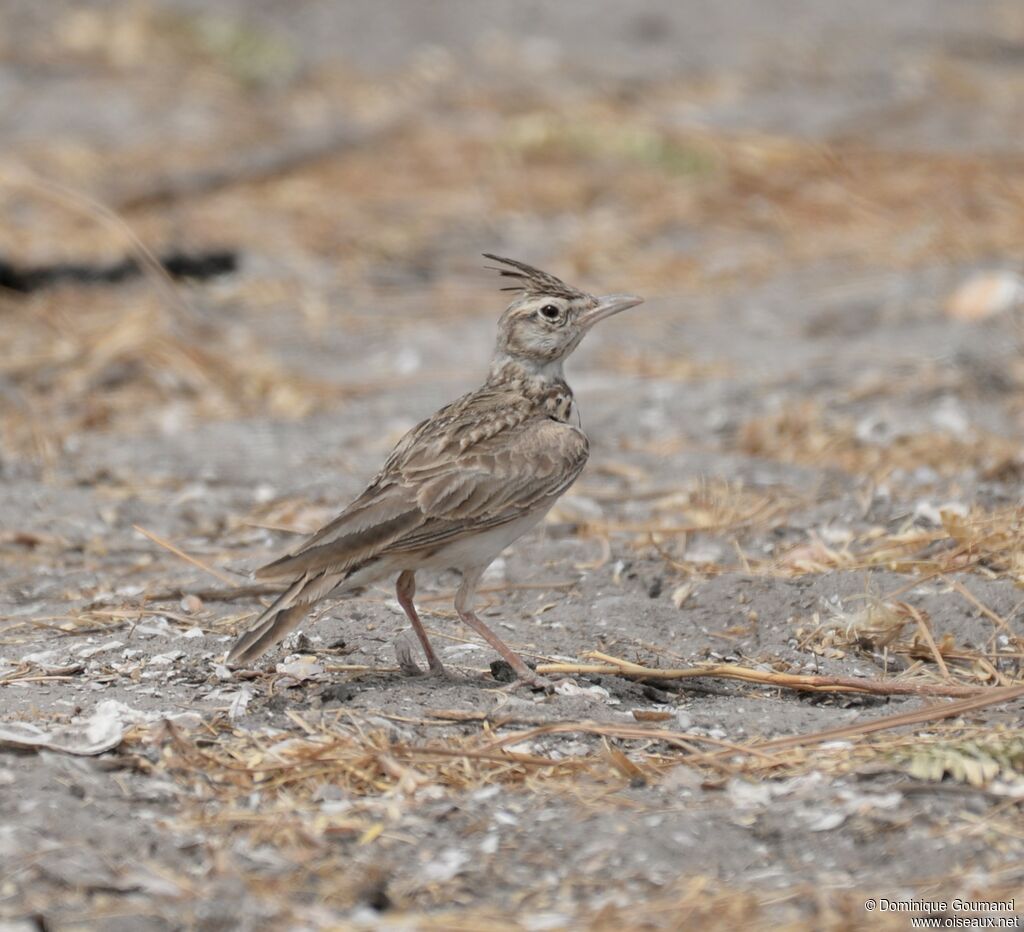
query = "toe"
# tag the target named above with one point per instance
(541, 684)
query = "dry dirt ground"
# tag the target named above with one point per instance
(802, 464)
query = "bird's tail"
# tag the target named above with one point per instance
(281, 617)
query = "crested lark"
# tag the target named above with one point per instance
(463, 484)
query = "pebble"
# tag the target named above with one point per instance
(986, 294)
(87, 651)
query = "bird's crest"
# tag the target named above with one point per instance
(533, 281)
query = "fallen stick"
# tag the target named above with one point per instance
(765, 749)
(614, 666)
(990, 695)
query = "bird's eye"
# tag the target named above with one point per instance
(550, 312)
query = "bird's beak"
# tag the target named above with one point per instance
(607, 305)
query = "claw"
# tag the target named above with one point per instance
(539, 683)
(438, 669)
(406, 664)
(517, 677)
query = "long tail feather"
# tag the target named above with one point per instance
(281, 617)
(265, 635)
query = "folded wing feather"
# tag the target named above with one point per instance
(439, 494)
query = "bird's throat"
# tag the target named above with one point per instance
(506, 369)
(542, 384)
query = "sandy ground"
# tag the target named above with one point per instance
(801, 463)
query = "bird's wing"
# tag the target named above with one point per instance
(436, 490)
(496, 480)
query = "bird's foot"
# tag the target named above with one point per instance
(403, 653)
(439, 670)
(519, 675)
(536, 682)
(409, 667)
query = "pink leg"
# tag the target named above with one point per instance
(464, 606)
(405, 589)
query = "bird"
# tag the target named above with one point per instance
(463, 484)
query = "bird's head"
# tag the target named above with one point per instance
(548, 318)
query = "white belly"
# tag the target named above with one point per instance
(479, 549)
(473, 552)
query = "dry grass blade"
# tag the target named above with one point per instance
(178, 552)
(213, 595)
(82, 203)
(365, 763)
(959, 587)
(926, 634)
(632, 732)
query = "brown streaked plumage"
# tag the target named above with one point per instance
(463, 484)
